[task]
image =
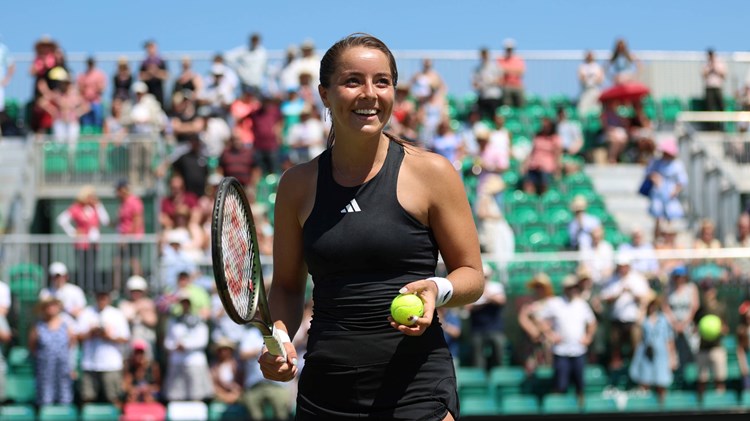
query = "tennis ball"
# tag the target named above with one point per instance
(405, 306)
(709, 327)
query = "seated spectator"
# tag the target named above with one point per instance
(146, 116)
(741, 238)
(542, 165)
(259, 392)
(450, 320)
(5, 298)
(102, 329)
(486, 323)
(236, 160)
(654, 357)
(187, 367)
(5, 338)
(225, 373)
(667, 241)
(599, 258)
(706, 240)
(240, 110)
(683, 301)
(178, 199)
(200, 301)
(307, 138)
(570, 132)
(533, 348)
(184, 119)
(71, 296)
(496, 237)
(712, 356)
(743, 343)
(222, 326)
(140, 311)
(626, 292)
(50, 341)
(175, 260)
(217, 95)
(141, 375)
(569, 324)
(641, 135)
(644, 258)
(614, 131)
(582, 224)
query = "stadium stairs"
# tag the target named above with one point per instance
(15, 168)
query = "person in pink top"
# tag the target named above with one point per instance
(513, 67)
(130, 226)
(544, 162)
(91, 85)
(241, 110)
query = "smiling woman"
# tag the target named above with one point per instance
(367, 219)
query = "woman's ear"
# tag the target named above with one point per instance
(323, 95)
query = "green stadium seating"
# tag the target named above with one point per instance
(519, 404)
(219, 411)
(560, 404)
(19, 360)
(720, 400)
(21, 387)
(58, 413)
(594, 377)
(745, 398)
(55, 159)
(17, 412)
(472, 381)
(99, 412)
(86, 160)
(680, 400)
(478, 406)
(594, 402)
(642, 403)
(505, 380)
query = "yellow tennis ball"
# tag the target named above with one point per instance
(405, 306)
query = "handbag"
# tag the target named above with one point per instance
(646, 186)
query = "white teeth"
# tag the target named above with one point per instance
(366, 112)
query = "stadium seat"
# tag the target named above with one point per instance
(472, 381)
(560, 404)
(99, 412)
(25, 280)
(478, 405)
(58, 413)
(16, 412)
(745, 398)
(680, 400)
(594, 402)
(218, 411)
(20, 388)
(505, 380)
(187, 411)
(720, 400)
(519, 404)
(55, 159)
(86, 159)
(648, 403)
(594, 377)
(139, 411)
(19, 360)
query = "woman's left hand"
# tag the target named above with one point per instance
(427, 291)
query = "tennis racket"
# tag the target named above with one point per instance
(236, 263)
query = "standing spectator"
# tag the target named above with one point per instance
(229, 79)
(623, 65)
(225, 373)
(267, 127)
(82, 221)
(66, 106)
(488, 340)
(534, 350)
(284, 77)
(712, 356)
(251, 64)
(591, 78)
(218, 95)
(237, 161)
(570, 132)
(240, 111)
(743, 343)
(184, 119)
(496, 237)
(582, 224)
(131, 228)
(71, 296)
(188, 81)
(192, 164)
(655, 356)
(307, 138)
(258, 390)
(669, 178)
(626, 292)
(487, 84)
(714, 74)
(5, 298)
(543, 164)
(427, 82)
(514, 68)
(44, 61)
(122, 81)
(153, 71)
(140, 311)
(681, 306)
(91, 84)
(7, 69)
(5, 338)
(569, 324)
(308, 62)
(146, 116)
(50, 341)
(102, 329)
(141, 375)
(450, 321)
(188, 376)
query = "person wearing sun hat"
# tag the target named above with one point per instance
(569, 324)
(669, 177)
(534, 347)
(582, 224)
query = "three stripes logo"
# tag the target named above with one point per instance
(352, 207)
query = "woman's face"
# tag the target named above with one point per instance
(360, 93)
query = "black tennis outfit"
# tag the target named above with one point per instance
(361, 247)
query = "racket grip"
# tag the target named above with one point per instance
(275, 342)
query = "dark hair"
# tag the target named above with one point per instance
(330, 62)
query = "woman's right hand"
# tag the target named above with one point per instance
(275, 367)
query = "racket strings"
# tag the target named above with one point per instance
(238, 255)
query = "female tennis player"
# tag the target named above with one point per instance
(366, 219)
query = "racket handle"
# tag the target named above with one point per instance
(275, 342)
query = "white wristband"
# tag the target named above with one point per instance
(445, 290)
(283, 336)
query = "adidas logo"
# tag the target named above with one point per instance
(352, 207)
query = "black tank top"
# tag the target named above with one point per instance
(361, 247)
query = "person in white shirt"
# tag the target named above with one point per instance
(5, 299)
(258, 390)
(569, 324)
(188, 375)
(591, 77)
(217, 95)
(714, 73)
(307, 138)
(251, 63)
(626, 293)
(102, 330)
(72, 297)
(599, 259)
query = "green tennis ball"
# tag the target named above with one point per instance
(709, 327)
(405, 306)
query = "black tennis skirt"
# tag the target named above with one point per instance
(377, 376)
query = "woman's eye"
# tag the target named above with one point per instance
(352, 81)
(384, 82)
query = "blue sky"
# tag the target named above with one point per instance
(108, 26)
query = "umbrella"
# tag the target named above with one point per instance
(629, 91)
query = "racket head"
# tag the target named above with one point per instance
(234, 250)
